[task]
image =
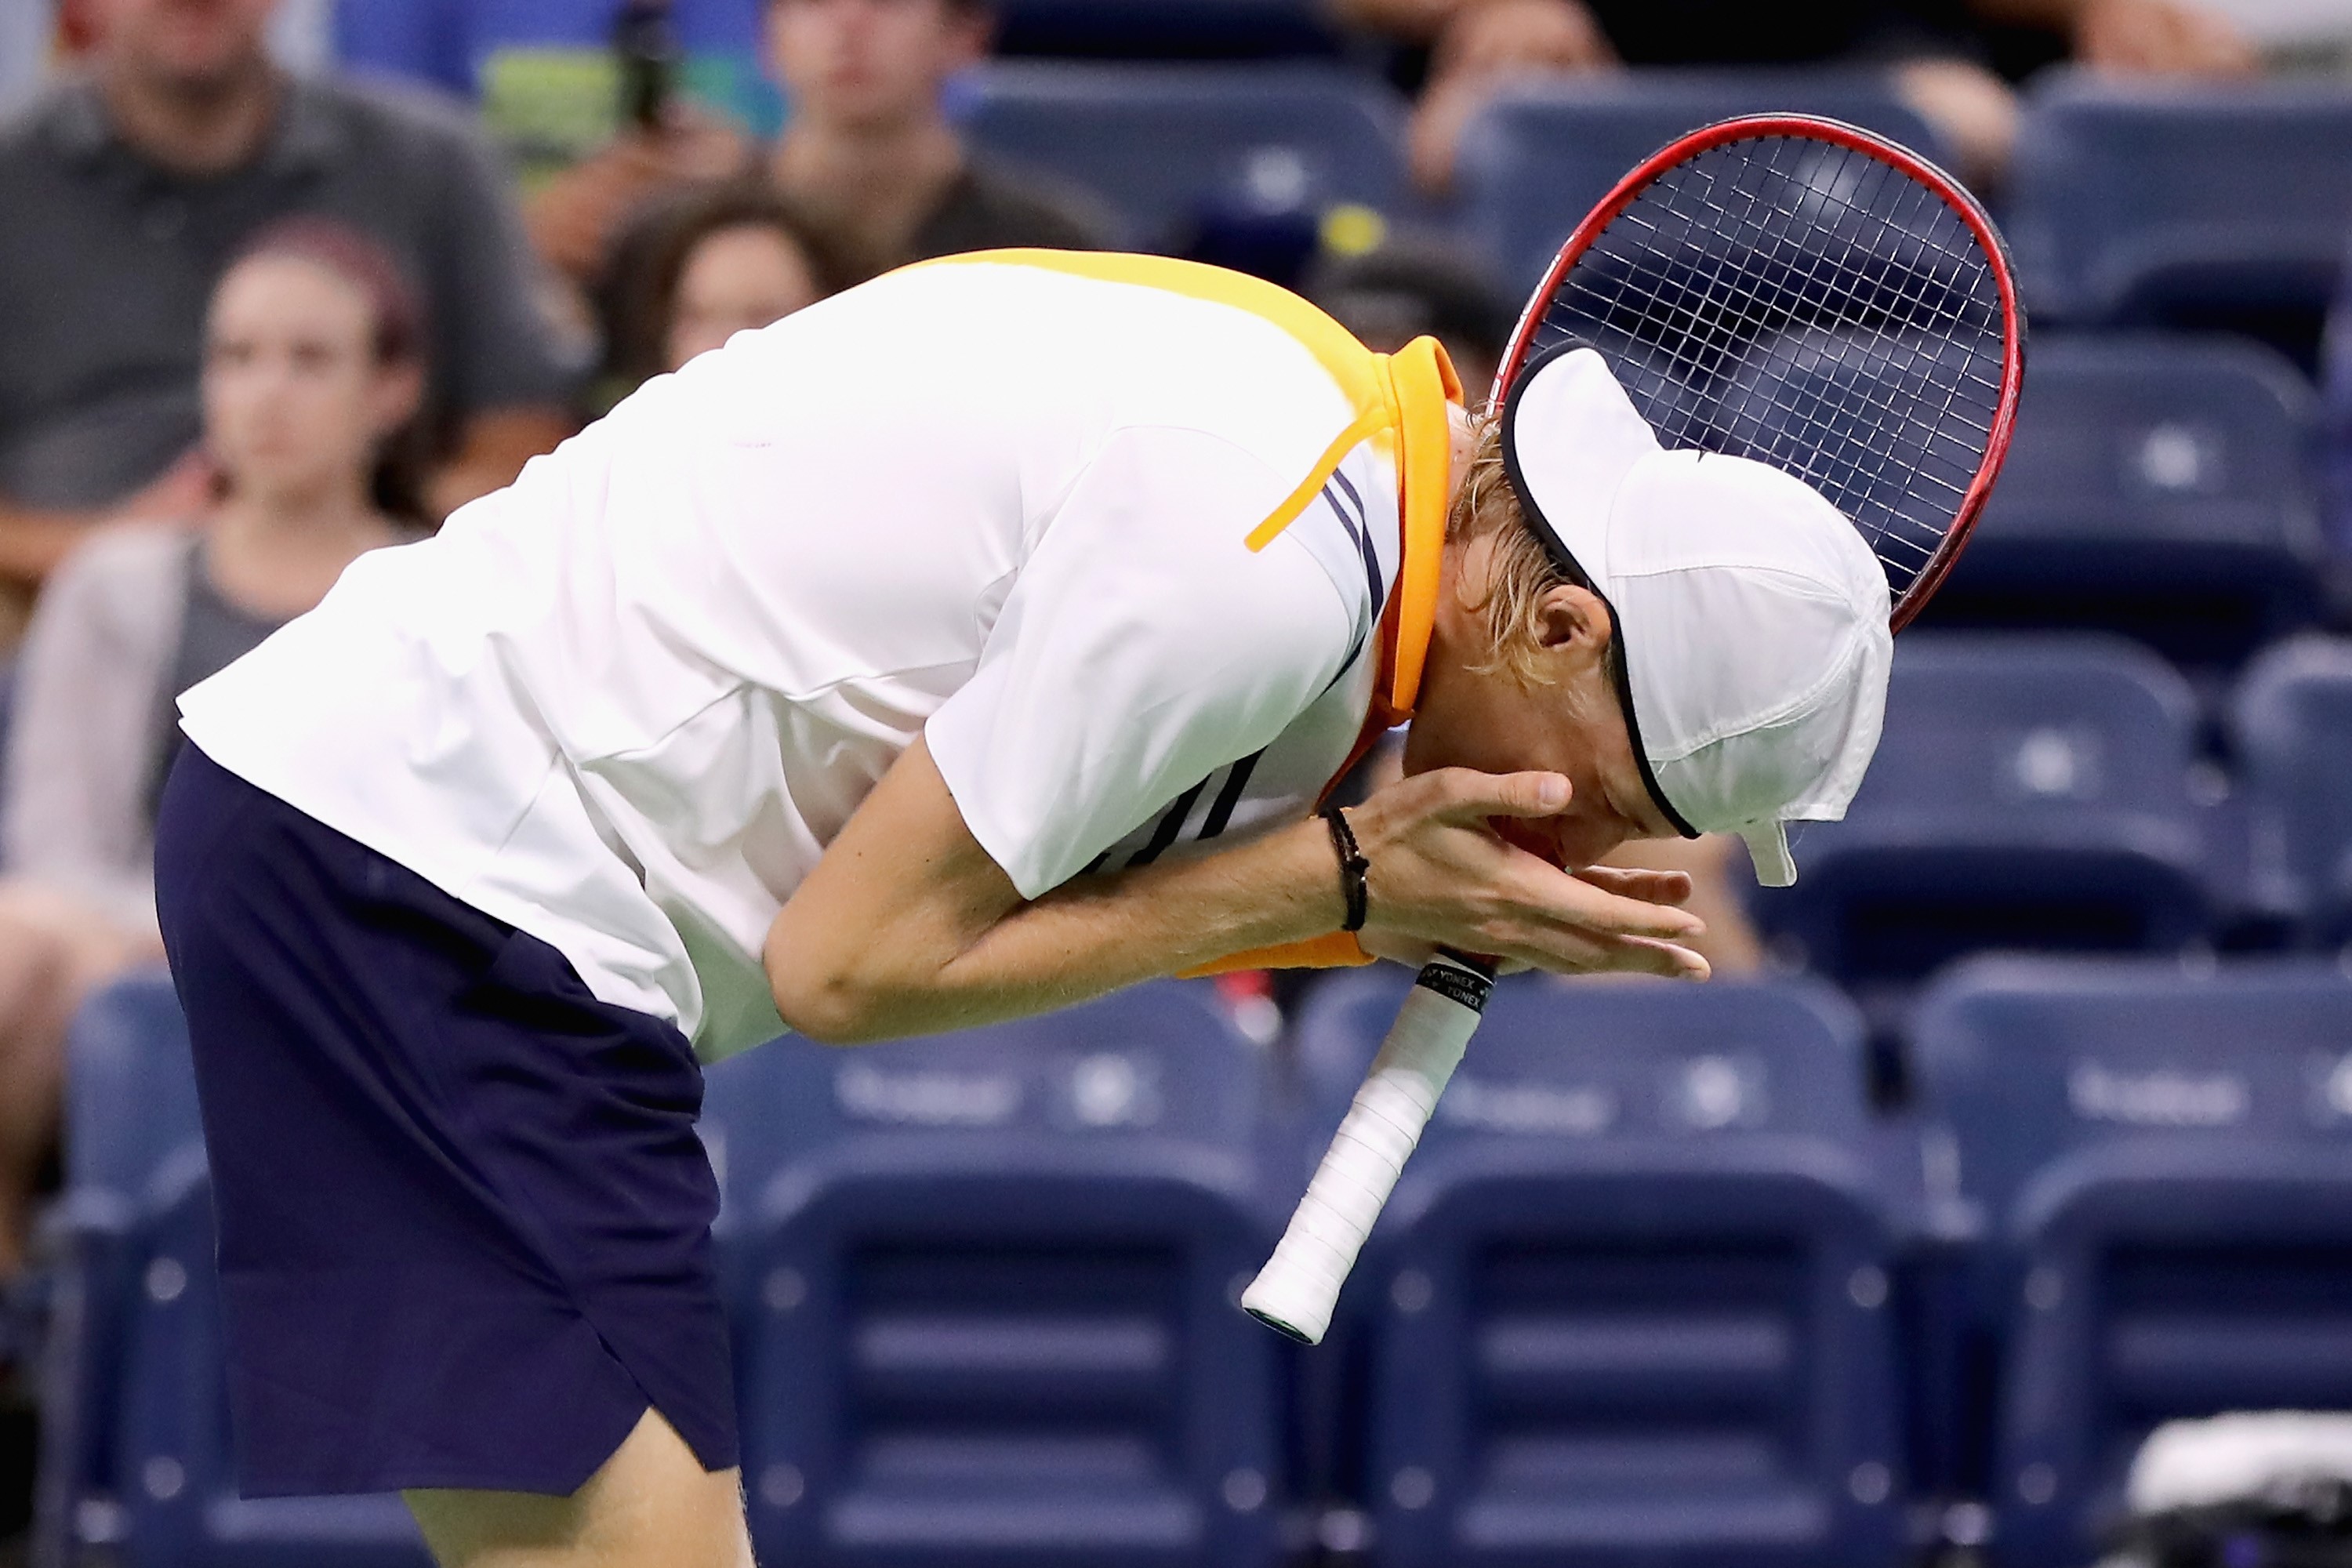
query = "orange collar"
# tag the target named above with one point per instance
(1422, 388)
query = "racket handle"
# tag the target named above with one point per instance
(1295, 1291)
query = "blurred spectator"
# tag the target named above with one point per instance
(703, 268)
(313, 372)
(1934, 45)
(867, 152)
(1410, 285)
(126, 186)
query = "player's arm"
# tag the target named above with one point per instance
(907, 926)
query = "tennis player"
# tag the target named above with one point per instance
(978, 641)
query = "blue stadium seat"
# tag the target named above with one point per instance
(2159, 487)
(1539, 157)
(1632, 1298)
(2165, 1158)
(178, 1501)
(2029, 792)
(2293, 721)
(134, 1412)
(129, 1114)
(2162, 203)
(1166, 29)
(986, 1290)
(1166, 145)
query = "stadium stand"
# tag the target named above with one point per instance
(2293, 723)
(1167, 146)
(1539, 157)
(2164, 1157)
(2158, 487)
(985, 1308)
(1631, 1300)
(135, 1438)
(2159, 202)
(1167, 29)
(2030, 791)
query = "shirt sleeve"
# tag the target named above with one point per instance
(1142, 646)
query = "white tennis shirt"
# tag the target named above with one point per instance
(1117, 534)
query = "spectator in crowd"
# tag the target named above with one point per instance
(1475, 45)
(867, 152)
(701, 269)
(125, 188)
(313, 373)
(1408, 285)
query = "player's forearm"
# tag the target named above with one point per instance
(1090, 936)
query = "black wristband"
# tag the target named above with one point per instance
(1353, 867)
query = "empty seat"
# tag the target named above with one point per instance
(1542, 155)
(177, 1501)
(2029, 792)
(2167, 203)
(135, 1453)
(130, 1115)
(986, 1293)
(1166, 145)
(2293, 721)
(2165, 1159)
(1630, 1300)
(2158, 487)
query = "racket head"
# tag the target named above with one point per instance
(1808, 293)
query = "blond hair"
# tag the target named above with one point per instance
(1519, 569)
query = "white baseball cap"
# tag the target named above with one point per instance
(1751, 638)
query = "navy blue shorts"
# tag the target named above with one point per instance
(465, 1217)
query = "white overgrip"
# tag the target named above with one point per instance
(1299, 1286)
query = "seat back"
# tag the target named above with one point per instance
(2167, 1160)
(986, 1293)
(1540, 155)
(130, 1088)
(2158, 487)
(1165, 145)
(1630, 1296)
(178, 1501)
(2192, 205)
(2293, 721)
(2028, 791)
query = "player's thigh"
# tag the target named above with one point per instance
(652, 1503)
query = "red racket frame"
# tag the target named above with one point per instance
(1838, 133)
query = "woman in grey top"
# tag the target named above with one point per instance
(313, 372)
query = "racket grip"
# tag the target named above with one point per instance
(1295, 1291)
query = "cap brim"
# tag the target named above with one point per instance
(1767, 847)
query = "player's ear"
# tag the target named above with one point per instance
(1572, 618)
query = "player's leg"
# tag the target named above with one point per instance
(652, 1503)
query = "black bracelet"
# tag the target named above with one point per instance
(1353, 867)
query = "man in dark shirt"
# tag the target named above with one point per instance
(126, 189)
(867, 150)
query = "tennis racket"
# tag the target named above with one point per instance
(1777, 287)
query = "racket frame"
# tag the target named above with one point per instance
(1838, 133)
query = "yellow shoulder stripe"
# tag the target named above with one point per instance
(1347, 362)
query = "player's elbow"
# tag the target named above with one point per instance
(832, 1009)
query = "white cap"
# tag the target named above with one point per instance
(1751, 619)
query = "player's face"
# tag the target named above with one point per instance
(871, 64)
(1572, 723)
(295, 397)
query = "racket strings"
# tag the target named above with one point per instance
(1808, 304)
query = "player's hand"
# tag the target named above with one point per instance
(1443, 876)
